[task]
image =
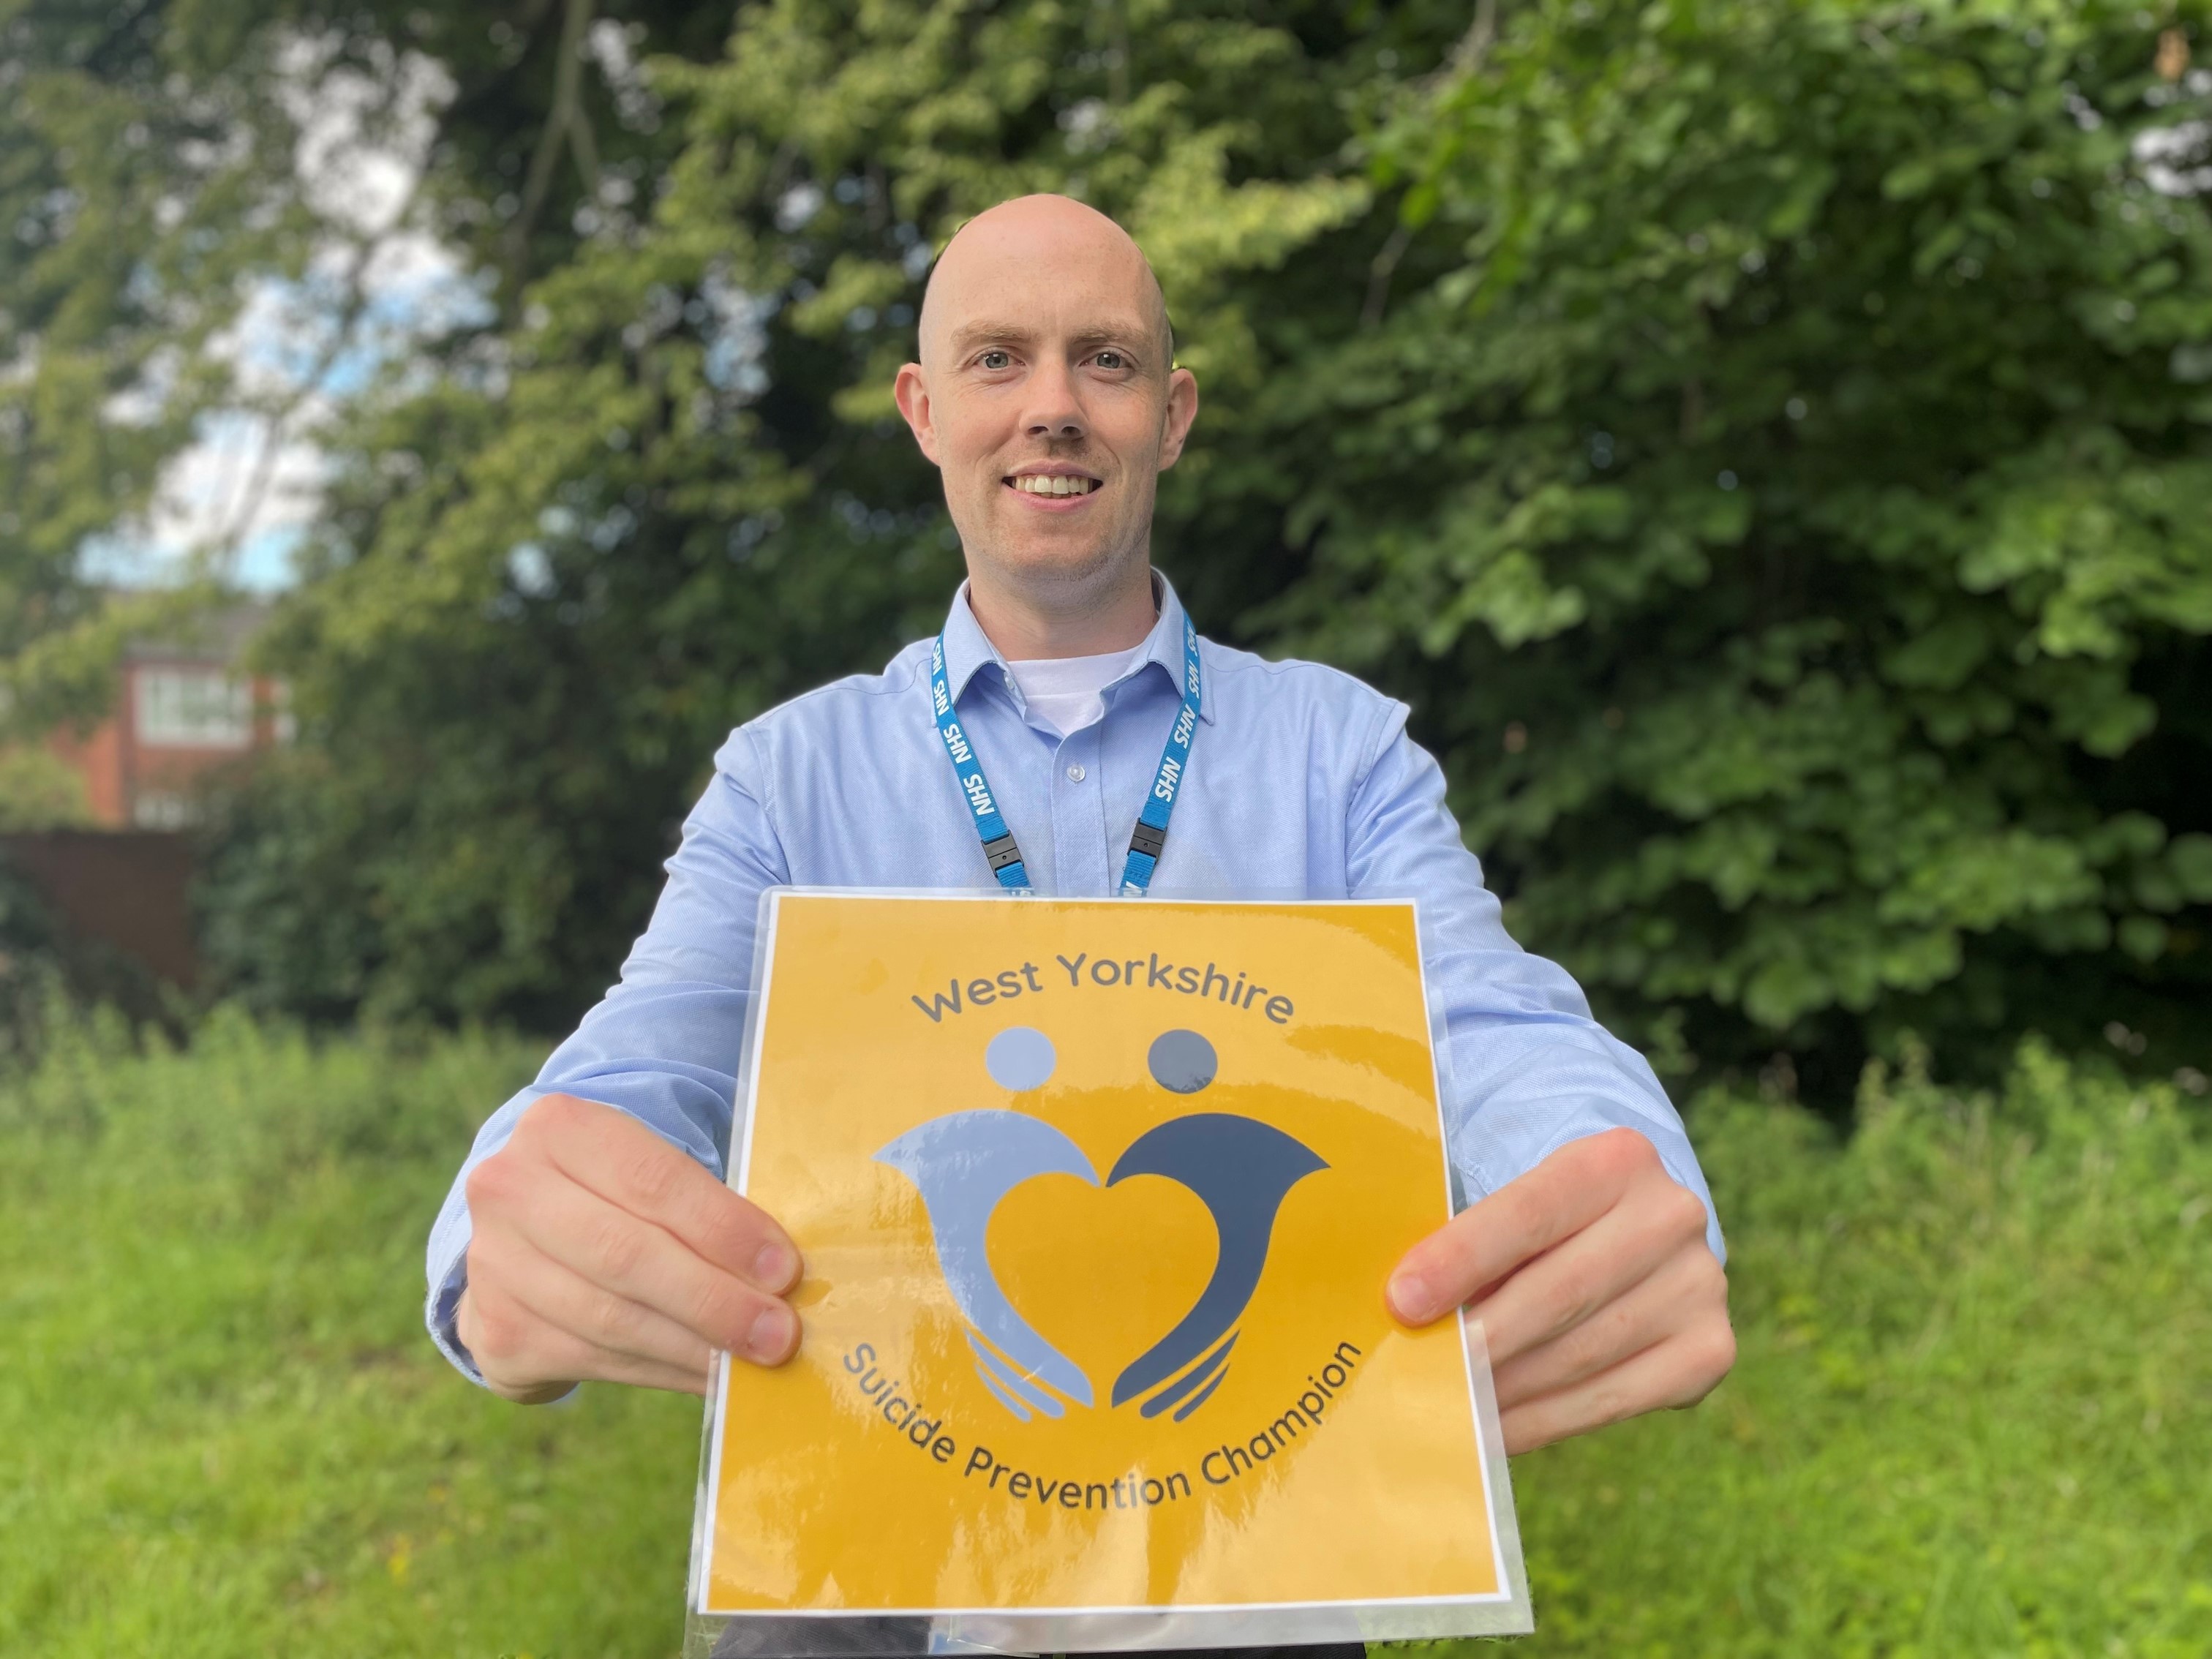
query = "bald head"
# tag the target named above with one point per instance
(1037, 233)
(1047, 396)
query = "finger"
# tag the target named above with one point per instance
(615, 1251)
(524, 1357)
(1575, 1279)
(633, 1169)
(568, 1360)
(1490, 1238)
(1681, 1371)
(557, 1297)
(1685, 1286)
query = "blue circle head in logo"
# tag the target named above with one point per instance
(1020, 1057)
(1183, 1061)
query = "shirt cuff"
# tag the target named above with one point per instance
(441, 1311)
(1482, 1181)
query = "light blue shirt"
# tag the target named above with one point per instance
(1302, 784)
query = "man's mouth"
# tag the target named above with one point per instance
(1053, 483)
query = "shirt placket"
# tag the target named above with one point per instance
(1080, 838)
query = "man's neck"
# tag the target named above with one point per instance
(1025, 631)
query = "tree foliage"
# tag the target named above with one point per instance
(194, 200)
(27, 965)
(1769, 441)
(1794, 496)
(39, 791)
(680, 493)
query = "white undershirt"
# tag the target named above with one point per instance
(1066, 692)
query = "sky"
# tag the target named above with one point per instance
(243, 494)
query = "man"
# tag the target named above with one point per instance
(591, 1234)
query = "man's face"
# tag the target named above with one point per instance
(1046, 397)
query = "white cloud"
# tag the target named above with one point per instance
(241, 495)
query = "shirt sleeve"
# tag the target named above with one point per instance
(663, 1044)
(1526, 1069)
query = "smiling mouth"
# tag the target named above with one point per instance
(1038, 483)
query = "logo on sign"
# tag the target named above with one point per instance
(965, 1163)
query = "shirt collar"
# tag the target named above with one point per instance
(968, 648)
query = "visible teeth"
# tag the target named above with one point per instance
(1035, 484)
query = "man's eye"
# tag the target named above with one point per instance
(995, 359)
(1111, 359)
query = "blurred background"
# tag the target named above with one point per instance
(1768, 442)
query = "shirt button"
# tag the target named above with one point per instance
(1075, 775)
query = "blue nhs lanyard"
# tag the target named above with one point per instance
(1150, 835)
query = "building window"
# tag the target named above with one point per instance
(193, 709)
(159, 810)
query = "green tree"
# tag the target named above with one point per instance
(38, 791)
(679, 492)
(29, 964)
(110, 182)
(1766, 440)
(194, 200)
(1789, 488)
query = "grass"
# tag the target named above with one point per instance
(1973, 1416)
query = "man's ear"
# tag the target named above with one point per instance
(1183, 410)
(911, 393)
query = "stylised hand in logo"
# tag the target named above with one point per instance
(964, 1163)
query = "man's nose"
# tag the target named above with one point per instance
(1052, 411)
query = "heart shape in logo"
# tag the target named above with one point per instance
(964, 1163)
(1101, 1272)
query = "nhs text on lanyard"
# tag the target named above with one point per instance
(1152, 832)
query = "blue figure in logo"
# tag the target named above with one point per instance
(964, 1163)
(1242, 1169)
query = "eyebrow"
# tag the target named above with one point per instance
(975, 335)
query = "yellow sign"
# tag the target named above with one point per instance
(1098, 1201)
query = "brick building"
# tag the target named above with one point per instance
(184, 709)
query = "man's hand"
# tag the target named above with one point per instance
(600, 1251)
(1598, 1294)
